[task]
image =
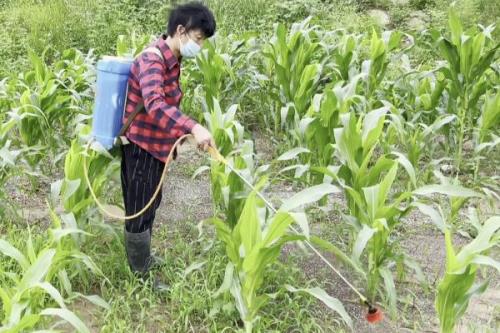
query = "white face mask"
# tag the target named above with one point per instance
(190, 49)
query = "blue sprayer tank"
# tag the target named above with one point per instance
(111, 94)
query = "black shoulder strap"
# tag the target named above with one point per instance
(139, 106)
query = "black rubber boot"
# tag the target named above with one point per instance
(138, 248)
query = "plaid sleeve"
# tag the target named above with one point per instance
(152, 87)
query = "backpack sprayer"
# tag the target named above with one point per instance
(107, 129)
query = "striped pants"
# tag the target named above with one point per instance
(140, 175)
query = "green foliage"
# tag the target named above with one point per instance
(456, 288)
(252, 246)
(367, 186)
(28, 291)
(469, 57)
(74, 192)
(50, 99)
(295, 58)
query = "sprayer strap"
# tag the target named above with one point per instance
(120, 138)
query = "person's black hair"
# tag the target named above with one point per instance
(192, 16)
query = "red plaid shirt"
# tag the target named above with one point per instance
(155, 82)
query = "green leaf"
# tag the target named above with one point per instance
(309, 195)
(373, 124)
(455, 26)
(61, 233)
(37, 271)
(10, 251)
(487, 261)
(53, 292)
(228, 280)
(338, 253)
(364, 236)
(390, 288)
(193, 267)
(410, 170)
(328, 300)
(450, 190)
(96, 300)
(371, 194)
(435, 216)
(301, 220)
(481, 243)
(277, 228)
(291, 154)
(249, 224)
(68, 316)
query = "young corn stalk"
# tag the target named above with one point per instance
(24, 292)
(49, 100)
(417, 140)
(469, 57)
(457, 286)
(484, 137)
(74, 192)
(296, 61)
(314, 134)
(375, 68)
(253, 245)
(373, 215)
(216, 73)
(228, 189)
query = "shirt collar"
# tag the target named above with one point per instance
(169, 58)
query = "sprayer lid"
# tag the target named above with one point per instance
(117, 65)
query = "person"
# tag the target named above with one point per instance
(154, 83)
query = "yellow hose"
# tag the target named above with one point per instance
(213, 151)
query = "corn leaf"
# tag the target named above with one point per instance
(451, 190)
(307, 196)
(10, 251)
(328, 300)
(68, 316)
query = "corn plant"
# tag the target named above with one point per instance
(296, 60)
(420, 95)
(375, 67)
(313, 135)
(132, 44)
(456, 288)
(222, 71)
(74, 191)
(253, 245)
(485, 138)
(372, 213)
(24, 292)
(49, 99)
(227, 189)
(469, 57)
(346, 55)
(216, 73)
(416, 139)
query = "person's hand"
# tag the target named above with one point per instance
(202, 137)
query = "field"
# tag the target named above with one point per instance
(371, 125)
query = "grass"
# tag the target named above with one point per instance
(189, 305)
